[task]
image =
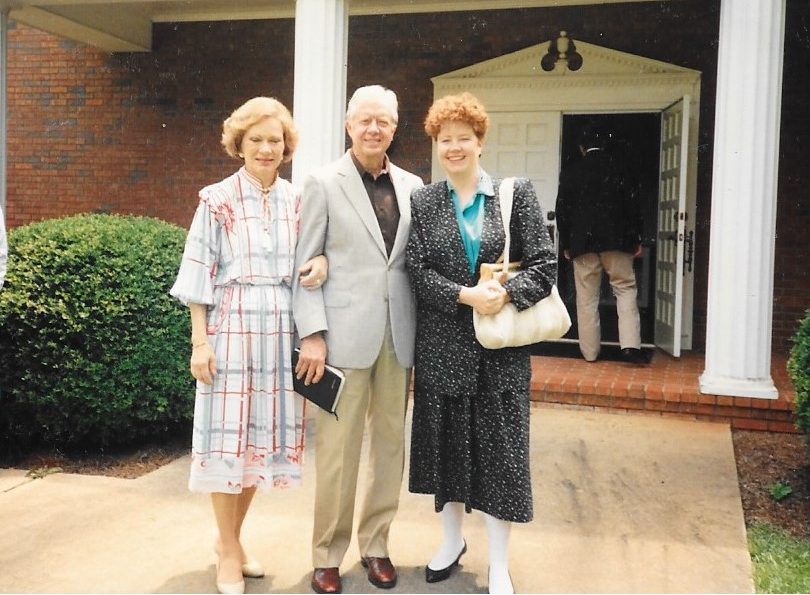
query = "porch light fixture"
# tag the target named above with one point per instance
(561, 49)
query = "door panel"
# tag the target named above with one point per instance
(671, 226)
(526, 144)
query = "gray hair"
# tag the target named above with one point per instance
(374, 93)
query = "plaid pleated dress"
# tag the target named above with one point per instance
(238, 261)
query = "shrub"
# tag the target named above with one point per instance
(93, 350)
(799, 370)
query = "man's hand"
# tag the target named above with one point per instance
(203, 363)
(567, 254)
(311, 359)
(637, 252)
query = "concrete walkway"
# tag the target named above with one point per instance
(623, 503)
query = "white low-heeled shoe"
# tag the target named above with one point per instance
(237, 588)
(231, 588)
(252, 569)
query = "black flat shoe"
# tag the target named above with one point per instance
(435, 576)
(633, 356)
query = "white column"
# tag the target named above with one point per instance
(319, 106)
(3, 105)
(743, 218)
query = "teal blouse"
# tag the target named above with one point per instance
(470, 219)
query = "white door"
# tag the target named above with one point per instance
(526, 144)
(669, 268)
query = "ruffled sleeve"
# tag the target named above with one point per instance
(198, 269)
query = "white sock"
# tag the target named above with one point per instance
(498, 534)
(452, 541)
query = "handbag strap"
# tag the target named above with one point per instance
(505, 196)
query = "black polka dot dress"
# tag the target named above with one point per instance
(470, 435)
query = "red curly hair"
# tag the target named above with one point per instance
(464, 107)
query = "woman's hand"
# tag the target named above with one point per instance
(485, 298)
(313, 272)
(203, 363)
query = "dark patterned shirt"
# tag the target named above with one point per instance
(383, 199)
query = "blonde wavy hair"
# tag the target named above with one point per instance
(252, 112)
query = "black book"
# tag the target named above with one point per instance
(324, 393)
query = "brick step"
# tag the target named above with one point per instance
(667, 386)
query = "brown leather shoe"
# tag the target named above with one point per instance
(326, 580)
(381, 573)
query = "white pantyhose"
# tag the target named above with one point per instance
(452, 541)
(498, 534)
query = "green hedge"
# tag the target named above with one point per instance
(799, 370)
(93, 350)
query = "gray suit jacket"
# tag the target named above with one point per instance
(365, 286)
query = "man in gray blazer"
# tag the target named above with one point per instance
(356, 211)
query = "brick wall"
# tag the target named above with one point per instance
(131, 133)
(792, 275)
(140, 133)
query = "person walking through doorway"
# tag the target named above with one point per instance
(599, 223)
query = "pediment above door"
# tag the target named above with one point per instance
(600, 66)
(608, 81)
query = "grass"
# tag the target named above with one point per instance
(781, 561)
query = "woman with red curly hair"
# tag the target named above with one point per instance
(470, 435)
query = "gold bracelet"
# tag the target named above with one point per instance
(195, 345)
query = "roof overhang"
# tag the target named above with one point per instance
(126, 25)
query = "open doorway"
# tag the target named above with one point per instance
(634, 138)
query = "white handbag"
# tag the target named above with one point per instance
(547, 319)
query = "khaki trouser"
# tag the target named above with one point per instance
(377, 394)
(588, 278)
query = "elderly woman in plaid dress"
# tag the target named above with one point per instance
(236, 277)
